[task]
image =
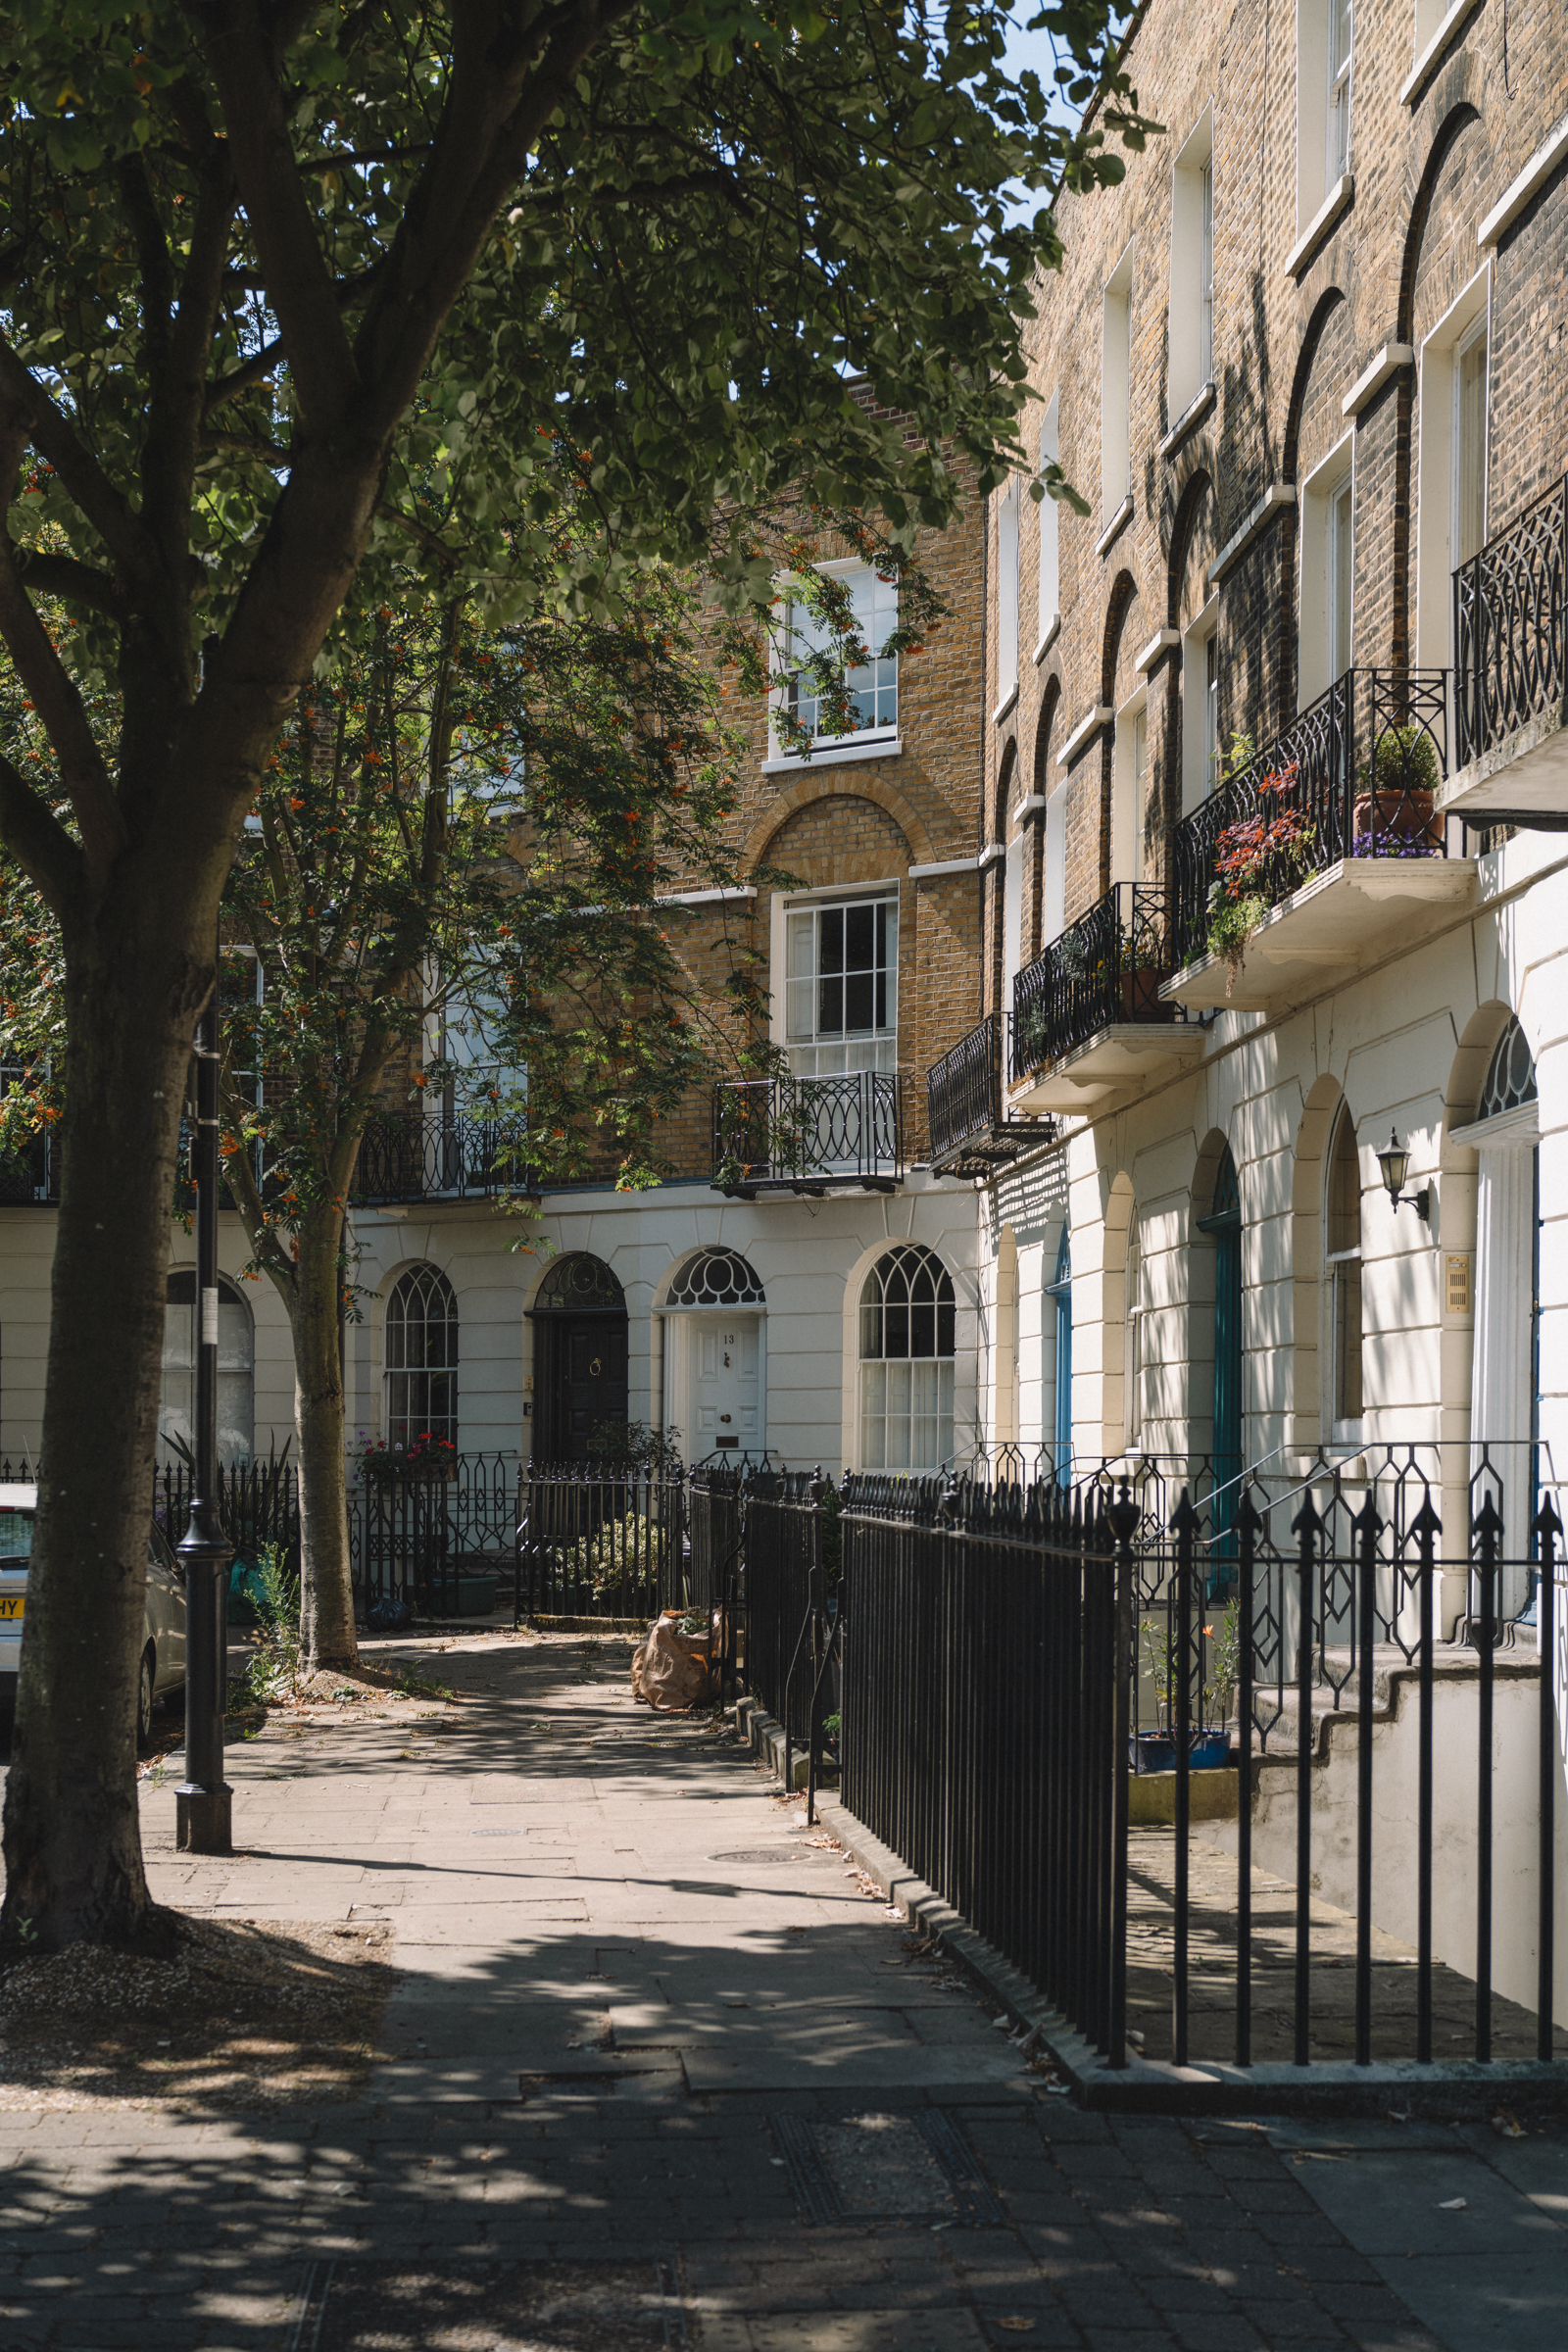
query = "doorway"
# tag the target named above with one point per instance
(715, 1357)
(580, 1359)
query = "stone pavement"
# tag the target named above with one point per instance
(664, 2073)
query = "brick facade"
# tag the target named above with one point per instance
(1289, 343)
(841, 820)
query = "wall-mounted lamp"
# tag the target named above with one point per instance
(1395, 1162)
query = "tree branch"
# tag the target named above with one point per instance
(31, 831)
(44, 574)
(40, 843)
(243, 59)
(88, 487)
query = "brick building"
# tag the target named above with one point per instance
(1275, 780)
(727, 1303)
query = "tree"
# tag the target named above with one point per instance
(288, 286)
(462, 844)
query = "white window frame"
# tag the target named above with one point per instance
(1128, 788)
(1116, 387)
(1338, 127)
(1435, 467)
(1197, 782)
(1314, 603)
(1049, 584)
(829, 894)
(1315, 79)
(1189, 366)
(880, 738)
(1008, 511)
(941, 1386)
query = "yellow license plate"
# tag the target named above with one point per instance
(11, 1609)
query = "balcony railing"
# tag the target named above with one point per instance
(1355, 776)
(1104, 969)
(31, 1178)
(407, 1156)
(971, 1135)
(809, 1134)
(1510, 628)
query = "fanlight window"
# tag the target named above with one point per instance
(719, 1278)
(907, 1349)
(1511, 1077)
(421, 1358)
(577, 1284)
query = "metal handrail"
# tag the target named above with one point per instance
(1511, 627)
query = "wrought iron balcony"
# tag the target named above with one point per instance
(1510, 681)
(1299, 862)
(409, 1155)
(971, 1134)
(809, 1134)
(1087, 1015)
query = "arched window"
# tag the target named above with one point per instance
(421, 1358)
(1510, 1075)
(236, 1370)
(717, 1278)
(1344, 1262)
(906, 1347)
(580, 1284)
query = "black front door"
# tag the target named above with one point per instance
(589, 1383)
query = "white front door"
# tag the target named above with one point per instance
(727, 1378)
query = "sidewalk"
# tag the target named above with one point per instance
(660, 2071)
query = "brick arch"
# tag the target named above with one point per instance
(1123, 591)
(1286, 536)
(1446, 136)
(853, 785)
(1457, 119)
(1005, 781)
(1044, 727)
(1183, 530)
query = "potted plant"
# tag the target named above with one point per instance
(1393, 813)
(424, 1456)
(1207, 1744)
(1258, 860)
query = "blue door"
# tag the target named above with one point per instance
(1060, 1291)
(1223, 1225)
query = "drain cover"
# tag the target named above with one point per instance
(878, 2167)
(759, 1853)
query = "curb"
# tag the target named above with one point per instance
(1460, 2088)
(766, 1736)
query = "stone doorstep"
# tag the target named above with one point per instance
(766, 1736)
(1154, 2087)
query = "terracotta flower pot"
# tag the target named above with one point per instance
(1139, 997)
(1398, 816)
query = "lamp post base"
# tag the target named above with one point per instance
(204, 1820)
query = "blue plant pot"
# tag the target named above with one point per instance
(1208, 1750)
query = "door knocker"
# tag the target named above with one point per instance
(593, 1369)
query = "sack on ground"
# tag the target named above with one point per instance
(671, 1668)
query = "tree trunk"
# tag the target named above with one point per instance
(326, 1592)
(72, 1841)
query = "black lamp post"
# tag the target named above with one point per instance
(203, 1800)
(1395, 1162)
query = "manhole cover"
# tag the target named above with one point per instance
(759, 1853)
(489, 2306)
(878, 2167)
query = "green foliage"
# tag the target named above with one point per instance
(1404, 759)
(274, 1666)
(1231, 925)
(635, 1445)
(619, 1557)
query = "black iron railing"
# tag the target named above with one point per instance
(599, 1544)
(1511, 627)
(1353, 777)
(31, 1178)
(409, 1155)
(1018, 1657)
(807, 1134)
(1104, 969)
(963, 1090)
(433, 1545)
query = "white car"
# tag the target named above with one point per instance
(162, 1653)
